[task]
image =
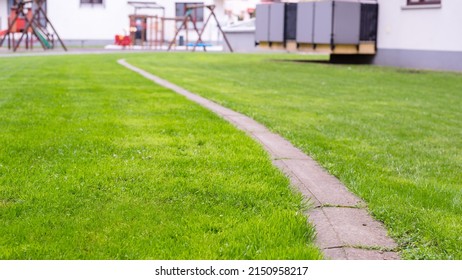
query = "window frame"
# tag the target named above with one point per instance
(195, 11)
(423, 2)
(92, 3)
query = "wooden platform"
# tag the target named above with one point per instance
(364, 48)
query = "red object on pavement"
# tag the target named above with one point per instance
(122, 40)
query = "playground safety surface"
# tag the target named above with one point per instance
(345, 230)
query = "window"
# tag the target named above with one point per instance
(100, 2)
(423, 2)
(92, 3)
(197, 14)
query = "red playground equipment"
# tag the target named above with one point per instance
(28, 21)
(123, 40)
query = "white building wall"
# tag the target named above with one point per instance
(424, 37)
(89, 22)
(419, 27)
(101, 22)
(3, 15)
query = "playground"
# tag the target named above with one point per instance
(148, 27)
(148, 31)
(28, 23)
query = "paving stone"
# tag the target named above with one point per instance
(356, 228)
(335, 254)
(278, 147)
(245, 123)
(326, 235)
(358, 254)
(295, 181)
(218, 109)
(325, 188)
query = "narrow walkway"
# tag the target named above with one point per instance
(345, 230)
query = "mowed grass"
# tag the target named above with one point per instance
(393, 136)
(98, 163)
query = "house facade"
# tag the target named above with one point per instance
(420, 34)
(96, 22)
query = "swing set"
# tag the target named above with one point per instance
(189, 18)
(28, 18)
(149, 30)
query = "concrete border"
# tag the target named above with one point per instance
(345, 230)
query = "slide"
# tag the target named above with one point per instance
(43, 39)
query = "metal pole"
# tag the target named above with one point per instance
(162, 35)
(187, 34)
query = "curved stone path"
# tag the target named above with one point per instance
(345, 230)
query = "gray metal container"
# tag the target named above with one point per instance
(305, 22)
(262, 23)
(276, 26)
(322, 31)
(347, 21)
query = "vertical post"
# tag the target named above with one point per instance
(132, 33)
(156, 30)
(143, 32)
(187, 33)
(151, 27)
(162, 35)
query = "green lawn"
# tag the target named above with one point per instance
(394, 137)
(98, 163)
